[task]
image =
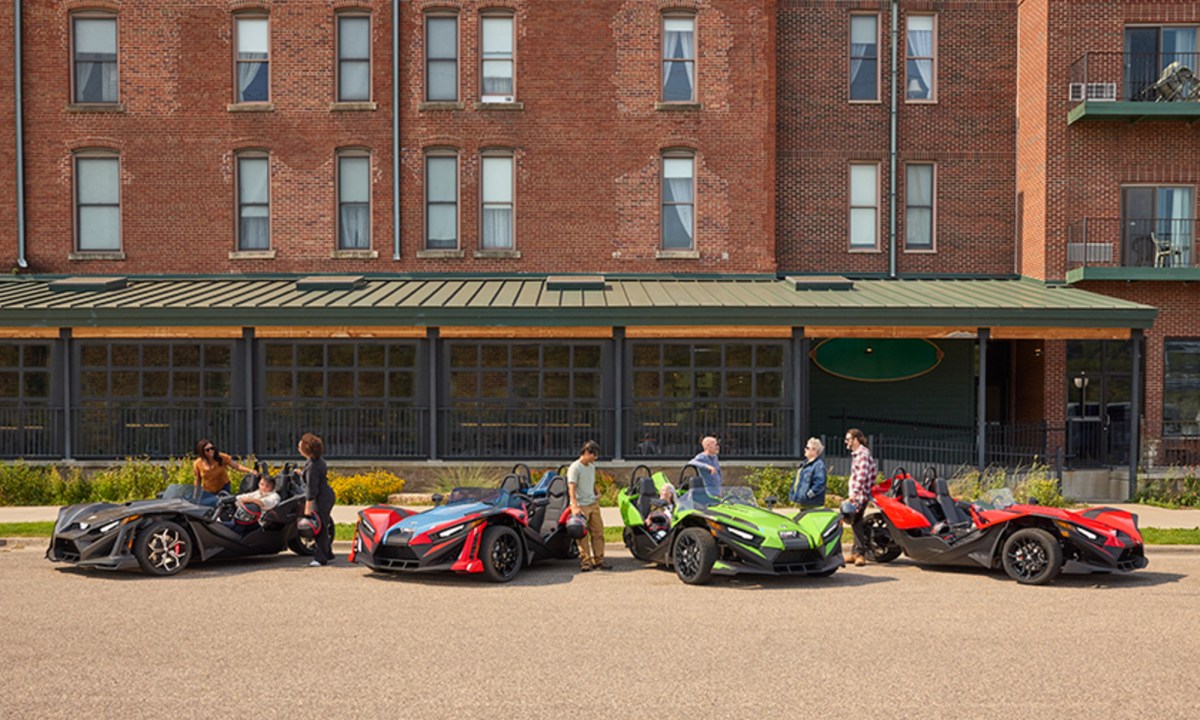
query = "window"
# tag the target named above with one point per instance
(354, 58)
(441, 58)
(678, 203)
(97, 203)
(864, 57)
(94, 45)
(441, 201)
(921, 70)
(1151, 72)
(253, 71)
(864, 206)
(29, 418)
(1157, 224)
(354, 201)
(497, 202)
(918, 207)
(679, 59)
(497, 57)
(1181, 388)
(254, 204)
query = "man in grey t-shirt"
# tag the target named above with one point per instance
(581, 484)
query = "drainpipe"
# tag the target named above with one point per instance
(395, 129)
(892, 147)
(20, 113)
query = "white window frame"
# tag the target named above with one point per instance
(510, 204)
(339, 18)
(453, 17)
(484, 18)
(851, 57)
(237, 63)
(933, 189)
(443, 153)
(355, 154)
(263, 156)
(94, 155)
(695, 65)
(932, 58)
(690, 156)
(874, 165)
(93, 15)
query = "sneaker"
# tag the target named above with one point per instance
(586, 568)
(314, 563)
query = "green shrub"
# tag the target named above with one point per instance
(1170, 491)
(367, 488)
(1034, 482)
(767, 480)
(838, 485)
(452, 476)
(22, 484)
(607, 484)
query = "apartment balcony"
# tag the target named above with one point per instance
(1122, 86)
(1132, 249)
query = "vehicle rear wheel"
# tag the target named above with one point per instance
(880, 545)
(694, 553)
(501, 553)
(1032, 556)
(305, 547)
(163, 548)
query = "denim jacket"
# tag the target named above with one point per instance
(809, 486)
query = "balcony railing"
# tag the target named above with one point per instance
(674, 430)
(1132, 243)
(28, 431)
(545, 431)
(1135, 77)
(114, 431)
(347, 431)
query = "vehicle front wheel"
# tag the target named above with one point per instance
(880, 545)
(162, 548)
(305, 547)
(693, 556)
(501, 553)
(1032, 556)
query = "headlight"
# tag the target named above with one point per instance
(832, 530)
(367, 528)
(739, 533)
(788, 534)
(1087, 533)
(107, 527)
(443, 534)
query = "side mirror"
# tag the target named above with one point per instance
(771, 501)
(437, 499)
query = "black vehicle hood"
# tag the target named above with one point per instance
(101, 513)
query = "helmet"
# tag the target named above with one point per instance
(849, 509)
(247, 514)
(309, 526)
(658, 521)
(576, 527)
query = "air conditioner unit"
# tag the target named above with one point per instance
(497, 98)
(1095, 92)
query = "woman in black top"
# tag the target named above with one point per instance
(319, 496)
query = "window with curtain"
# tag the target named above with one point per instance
(441, 58)
(1155, 60)
(678, 203)
(98, 203)
(921, 57)
(354, 202)
(1181, 388)
(679, 59)
(864, 206)
(497, 202)
(354, 58)
(1158, 225)
(441, 202)
(918, 207)
(253, 71)
(864, 57)
(254, 209)
(94, 44)
(497, 55)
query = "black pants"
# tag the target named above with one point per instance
(859, 528)
(324, 549)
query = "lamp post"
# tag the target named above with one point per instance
(1081, 383)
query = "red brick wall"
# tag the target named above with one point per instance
(1032, 37)
(8, 143)
(969, 133)
(587, 143)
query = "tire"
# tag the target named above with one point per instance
(880, 545)
(693, 555)
(162, 548)
(302, 546)
(1032, 556)
(501, 553)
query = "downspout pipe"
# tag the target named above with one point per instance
(892, 143)
(395, 129)
(19, 111)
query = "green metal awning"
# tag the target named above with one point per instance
(526, 300)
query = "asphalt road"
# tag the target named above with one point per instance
(274, 638)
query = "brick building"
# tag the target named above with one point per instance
(213, 193)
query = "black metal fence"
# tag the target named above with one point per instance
(1135, 77)
(948, 451)
(118, 431)
(1133, 242)
(676, 430)
(348, 432)
(500, 430)
(31, 431)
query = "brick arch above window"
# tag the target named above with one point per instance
(442, 142)
(96, 141)
(352, 6)
(98, 6)
(679, 7)
(440, 6)
(249, 6)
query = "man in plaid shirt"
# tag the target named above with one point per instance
(863, 472)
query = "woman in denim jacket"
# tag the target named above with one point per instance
(808, 489)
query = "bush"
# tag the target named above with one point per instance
(22, 484)
(367, 488)
(607, 485)
(838, 485)
(1169, 491)
(1036, 482)
(767, 480)
(453, 476)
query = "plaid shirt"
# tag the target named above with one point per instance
(863, 472)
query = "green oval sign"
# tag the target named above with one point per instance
(876, 360)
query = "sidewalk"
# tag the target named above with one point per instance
(1148, 516)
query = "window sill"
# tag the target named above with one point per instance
(251, 254)
(866, 250)
(876, 101)
(115, 108)
(430, 254)
(498, 254)
(250, 107)
(358, 106)
(500, 106)
(440, 106)
(354, 254)
(920, 102)
(920, 251)
(85, 255)
(677, 106)
(677, 255)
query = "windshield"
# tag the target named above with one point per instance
(189, 492)
(699, 497)
(997, 499)
(491, 496)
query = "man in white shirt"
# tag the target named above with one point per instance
(581, 485)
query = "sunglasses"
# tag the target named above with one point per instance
(210, 448)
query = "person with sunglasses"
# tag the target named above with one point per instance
(211, 470)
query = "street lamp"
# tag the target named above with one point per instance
(1081, 383)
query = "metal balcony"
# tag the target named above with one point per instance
(1121, 86)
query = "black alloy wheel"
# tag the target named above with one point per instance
(501, 553)
(694, 553)
(879, 543)
(1032, 556)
